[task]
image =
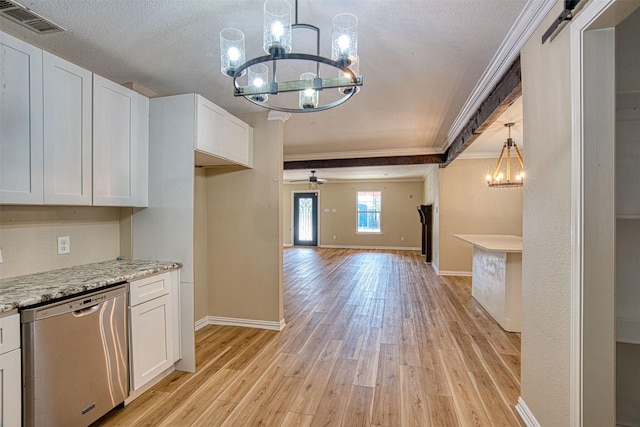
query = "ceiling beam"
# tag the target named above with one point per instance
(506, 92)
(369, 161)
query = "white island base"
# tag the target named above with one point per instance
(496, 281)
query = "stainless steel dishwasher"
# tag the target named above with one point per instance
(75, 359)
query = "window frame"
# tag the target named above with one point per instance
(358, 212)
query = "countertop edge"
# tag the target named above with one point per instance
(43, 293)
(469, 238)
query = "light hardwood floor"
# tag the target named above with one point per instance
(373, 338)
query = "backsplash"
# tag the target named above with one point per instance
(29, 237)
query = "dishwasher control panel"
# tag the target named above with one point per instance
(80, 304)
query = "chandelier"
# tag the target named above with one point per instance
(503, 179)
(307, 74)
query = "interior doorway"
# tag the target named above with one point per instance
(305, 219)
(605, 339)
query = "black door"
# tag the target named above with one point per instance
(305, 219)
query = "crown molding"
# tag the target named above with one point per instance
(279, 115)
(529, 19)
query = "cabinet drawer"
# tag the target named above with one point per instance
(149, 288)
(9, 333)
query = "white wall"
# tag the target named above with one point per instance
(432, 197)
(546, 264)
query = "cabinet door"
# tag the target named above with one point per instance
(21, 142)
(209, 125)
(10, 389)
(67, 132)
(120, 117)
(151, 340)
(237, 140)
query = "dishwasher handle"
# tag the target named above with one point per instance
(86, 311)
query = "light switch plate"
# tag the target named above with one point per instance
(64, 245)
(1, 256)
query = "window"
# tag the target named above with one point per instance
(369, 209)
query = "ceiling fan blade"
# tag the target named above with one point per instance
(322, 180)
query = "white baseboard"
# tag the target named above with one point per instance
(390, 248)
(525, 414)
(435, 268)
(245, 323)
(453, 273)
(201, 323)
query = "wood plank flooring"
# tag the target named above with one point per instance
(373, 338)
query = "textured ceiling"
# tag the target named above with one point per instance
(420, 60)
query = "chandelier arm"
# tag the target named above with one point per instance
(291, 56)
(497, 169)
(519, 156)
(317, 31)
(340, 101)
(508, 164)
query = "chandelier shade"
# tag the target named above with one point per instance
(344, 38)
(341, 71)
(259, 78)
(231, 51)
(309, 98)
(503, 178)
(277, 26)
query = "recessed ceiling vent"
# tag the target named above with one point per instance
(27, 18)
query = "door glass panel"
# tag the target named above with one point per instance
(305, 219)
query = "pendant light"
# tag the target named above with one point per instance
(500, 178)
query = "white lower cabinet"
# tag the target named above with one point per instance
(151, 329)
(10, 372)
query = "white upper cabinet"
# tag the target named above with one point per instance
(209, 124)
(221, 138)
(67, 132)
(238, 141)
(120, 145)
(21, 130)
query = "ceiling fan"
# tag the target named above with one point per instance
(313, 180)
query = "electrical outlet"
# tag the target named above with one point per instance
(64, 245)
(0, 255)
(402, 238)
(334, 237)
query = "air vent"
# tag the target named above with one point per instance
(27, 18)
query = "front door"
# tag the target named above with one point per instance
(305, 219)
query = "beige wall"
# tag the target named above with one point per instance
(468, 206)
(546, 266)
(244, 231)
(399, 215)
(29, 237)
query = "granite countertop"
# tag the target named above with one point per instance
(24, 291)
(493, 242)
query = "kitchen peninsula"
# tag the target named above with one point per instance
(497, 276)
